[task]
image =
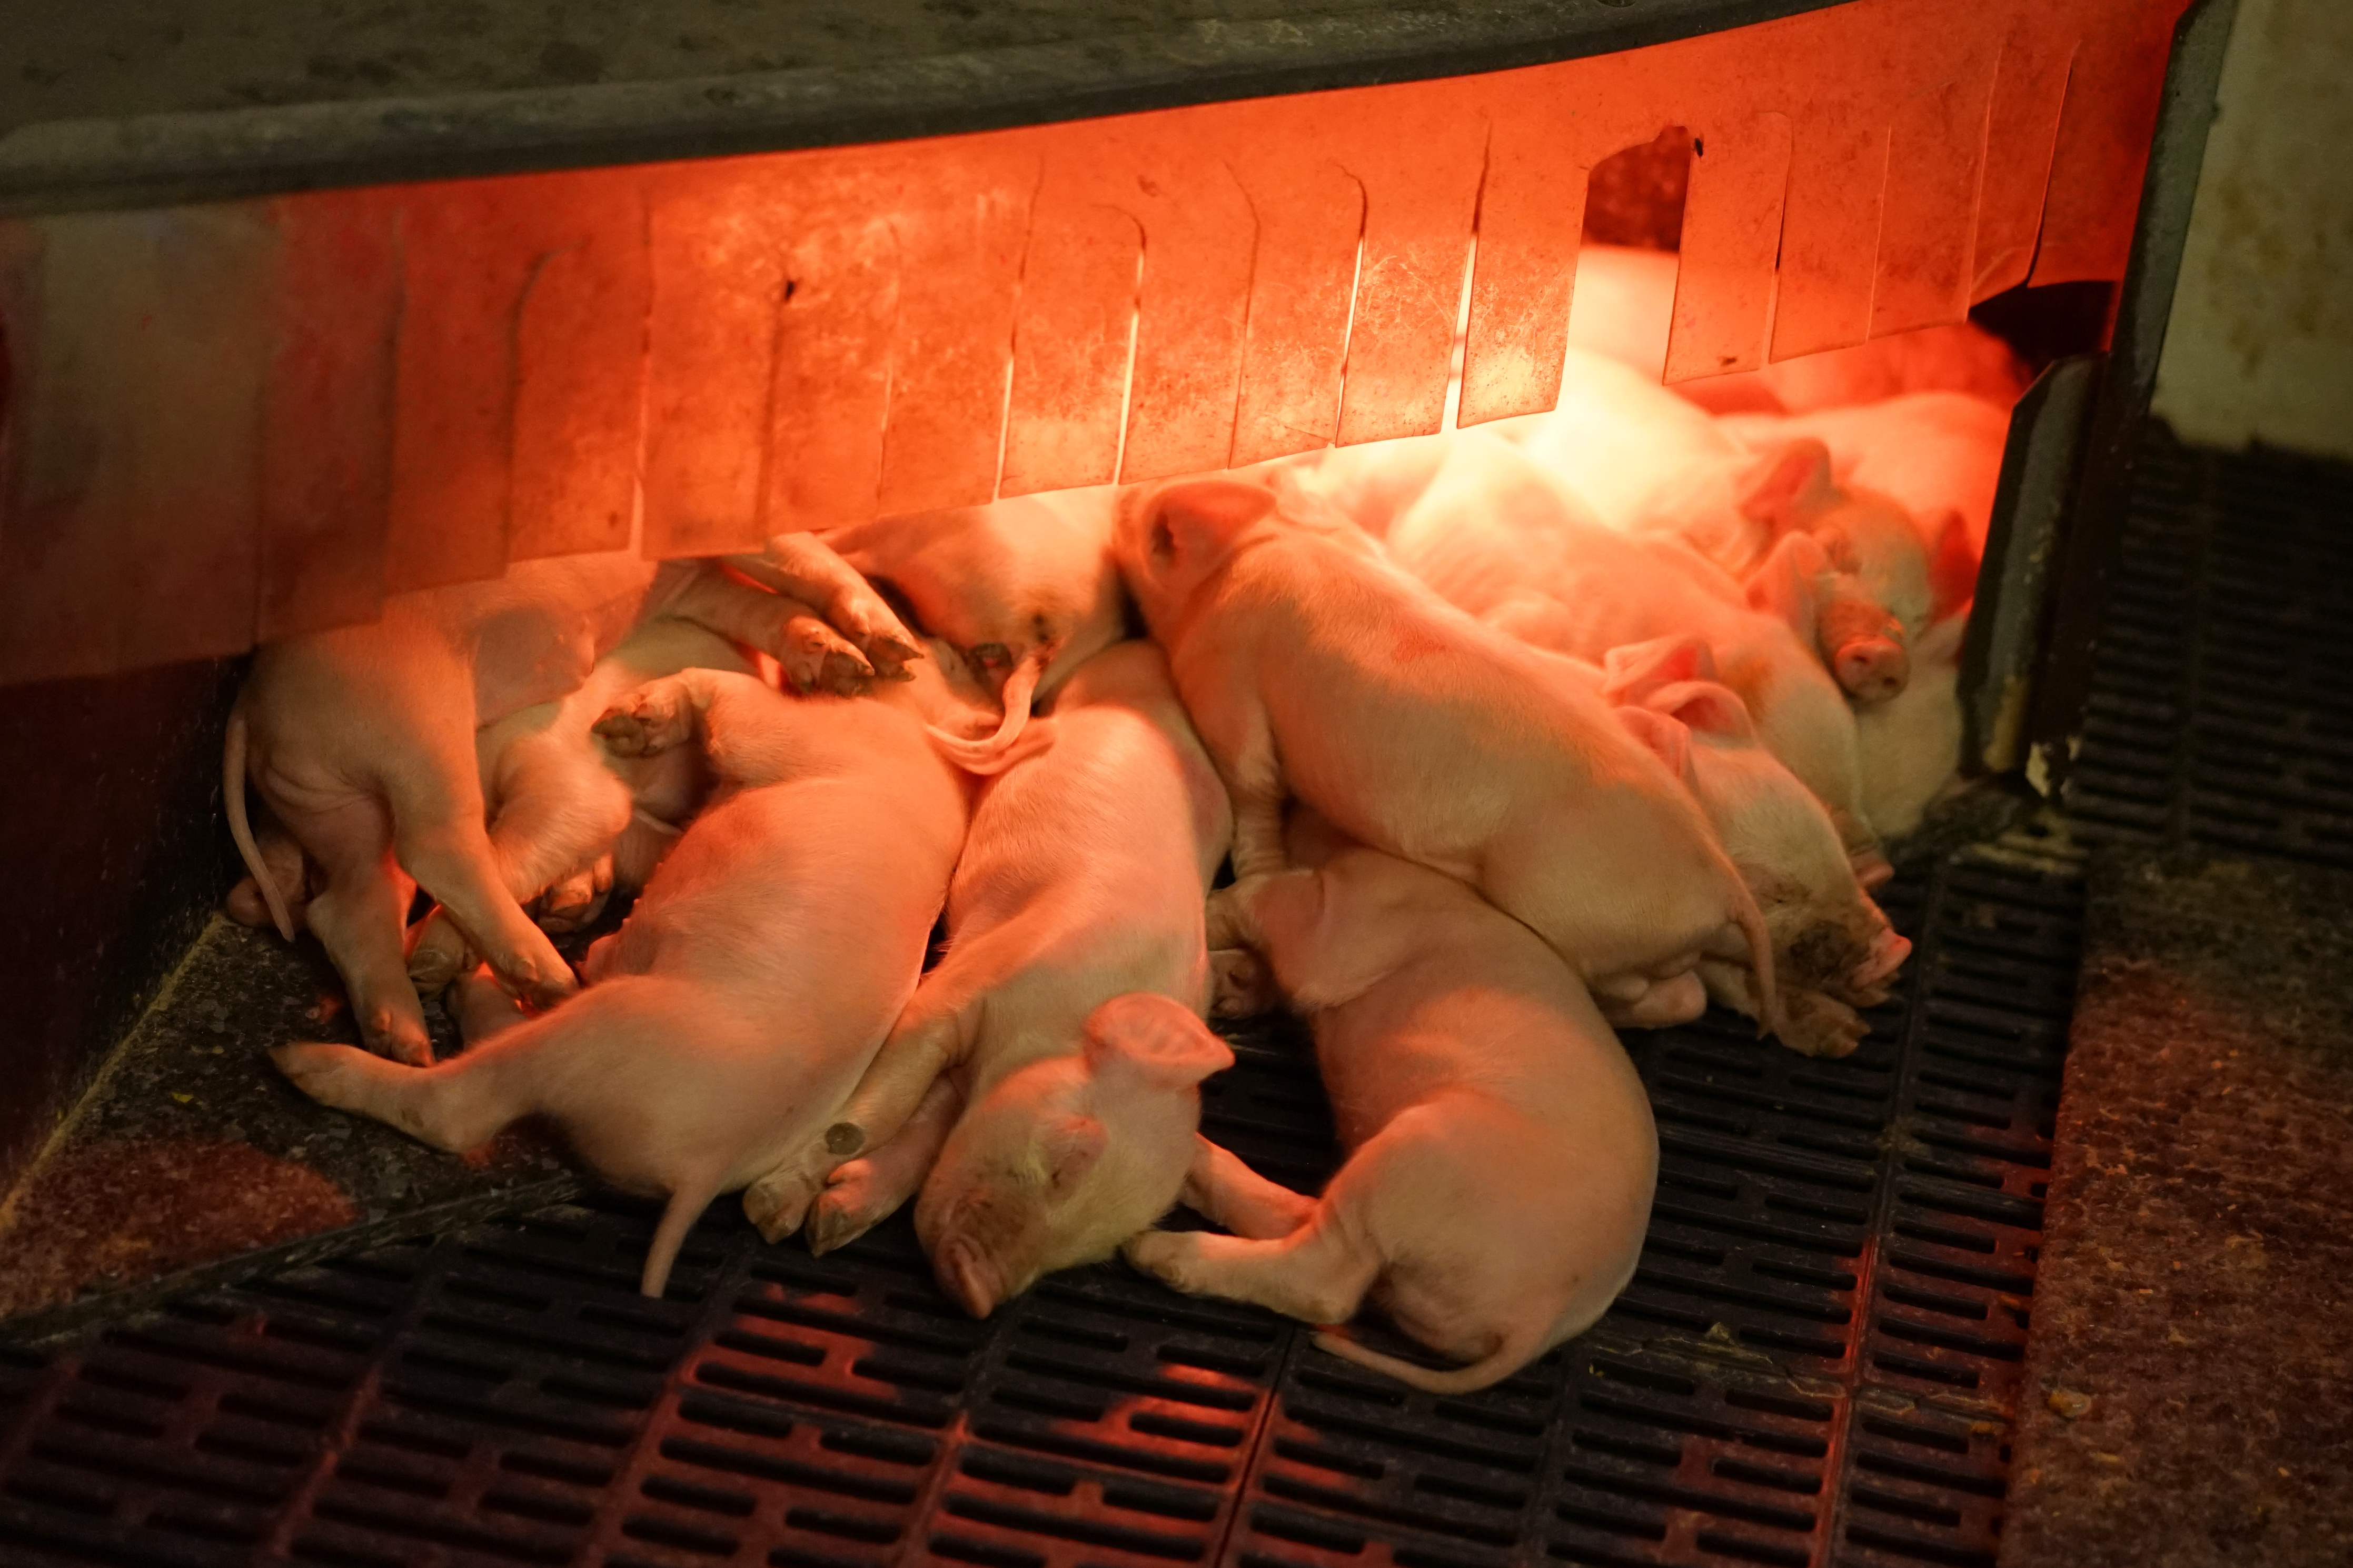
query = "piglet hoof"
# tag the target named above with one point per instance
(1872, 670)
(889, 651)
(1239, 985)
(388, 1034)
(437, 954)
(571, 903)
(1163, 1254)
(819, 659)
(649, 721)
(247, 907)
(325, 1072)
(1815, 1025)
(777, 1203)
(839, 1215)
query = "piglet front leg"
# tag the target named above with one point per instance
(860, 1194)
(805, 567)
(814, 655)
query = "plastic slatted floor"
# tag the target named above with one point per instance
(2222, 705)
(1814, 1365)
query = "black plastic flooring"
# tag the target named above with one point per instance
(2221, 713)
(1815, 1362)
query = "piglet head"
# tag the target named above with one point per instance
(1827, 936)
(1848, 570)
(1172, 537)
(1062, 1161)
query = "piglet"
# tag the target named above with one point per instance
(569, 821)
(1500, 1151)
(1499, 536)
(1834, 949)
(1082, 880)
(1910, 749)
(1023, 587)
(1647, 463)
(1937, 455)
(726, 1022)
(1315, 670)
(361, 740)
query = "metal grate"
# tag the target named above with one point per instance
(1815, 1363)
(2221, 711)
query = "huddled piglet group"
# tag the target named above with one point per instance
(1511, 737)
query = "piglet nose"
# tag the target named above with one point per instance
(1872, 669)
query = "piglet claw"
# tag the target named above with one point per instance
(777, 1203)
(649, 721)
(832, 1221)
(845, 1139)
(821, 660)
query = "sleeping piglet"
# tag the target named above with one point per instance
(726, 1022)
(1082, 880)
(362, 739)
(1023, 587)
(1315, 670)
(1646, 462)
(1500, 1151)
(1498, 535)
(1834, 949)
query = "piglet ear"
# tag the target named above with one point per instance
(1788, 584)
(1072, 1145)
(1158, 1038)
(1789, 484)
(1952, 564)
(1662, 734)
(1194, 519)
(1704, 708)
(1632, 672)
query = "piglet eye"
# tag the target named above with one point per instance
(1164, 542)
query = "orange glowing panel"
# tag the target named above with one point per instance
(327, 411)
(1829, 234)
(1311, 215)
(1934, 154)
(831, 393)
(1200, 234)
(1531, 215)
(1732, 233)
(2110, 115)
(960, 217)
(2021, 127)
(1419, 149)
(466, 259)
(828, 335)
(718, 257)
(580, 370)
(1072, 342)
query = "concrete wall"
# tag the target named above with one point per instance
(2260, 344)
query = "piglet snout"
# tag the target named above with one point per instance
(967, 1277)
(1872, 670)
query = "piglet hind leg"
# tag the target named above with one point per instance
(357, 919)
(1317, 1274)
(862, 1192)
(453, 1107)
(745, 728)
(1218, 1186)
